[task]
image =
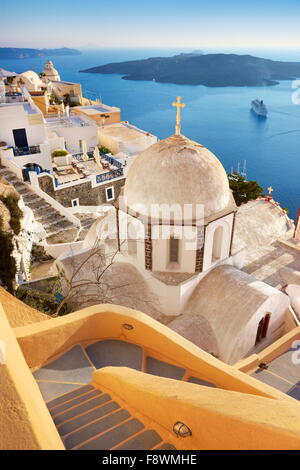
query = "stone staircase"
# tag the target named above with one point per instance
(52, 221)
(88, 418)
(86, 222)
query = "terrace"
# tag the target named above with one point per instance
(108, 169)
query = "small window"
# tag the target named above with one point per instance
(110, 193)
(217, 244)
(75, 202)
(174, 250)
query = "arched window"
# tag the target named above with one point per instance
(262, 328)
(217, 244)
(173, 250)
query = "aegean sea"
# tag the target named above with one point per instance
(219, 118)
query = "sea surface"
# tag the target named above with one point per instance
(218, 118)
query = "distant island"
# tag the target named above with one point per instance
(22, 53)
(211, 70)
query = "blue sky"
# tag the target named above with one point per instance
(150, 23)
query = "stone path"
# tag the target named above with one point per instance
(52, 221)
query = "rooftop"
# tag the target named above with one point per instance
(27, 107)
(97, 109)
(123, 131)
(67, 121)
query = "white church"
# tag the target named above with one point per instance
(185, 254)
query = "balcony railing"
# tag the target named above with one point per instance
(108, 158)
(110, 175)
(20, 151)
(112, 161)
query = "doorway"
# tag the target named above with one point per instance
(262, 328)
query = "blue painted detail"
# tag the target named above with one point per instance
(109, 175)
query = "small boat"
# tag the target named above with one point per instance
(259, 107)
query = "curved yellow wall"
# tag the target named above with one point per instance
(43, 341)
(25, 422)
(218, 419)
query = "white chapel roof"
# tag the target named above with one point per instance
(178, 171)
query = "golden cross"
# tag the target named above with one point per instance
(270, 189)
(178, 105)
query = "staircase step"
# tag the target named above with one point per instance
(22, 190)
(87, 223)
(143, 441)
(91, 430)
(166, 446)
(114, 436)
(51, 390)
(65, 406)
(81, 408)
(163, 369)
(71, 367)
(28, 199)
(57, 228)
(53, 221)
(69, 396)
(21, 187)
(115, 353)
(38, 205)
(82, 420)
(45, 215)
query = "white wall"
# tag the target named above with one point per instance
(74, 134)
(277, 305)
(187, 248)
(58, 249)
(138, 228)
(7, 160)
(15, 117)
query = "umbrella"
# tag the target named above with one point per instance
(97, 156)
(5, 73)
(85, 156)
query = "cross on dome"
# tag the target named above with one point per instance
(178, 105)
(270, 189)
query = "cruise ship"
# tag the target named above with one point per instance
(259, 107)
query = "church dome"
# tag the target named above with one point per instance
(50, 72)
(178, 171)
